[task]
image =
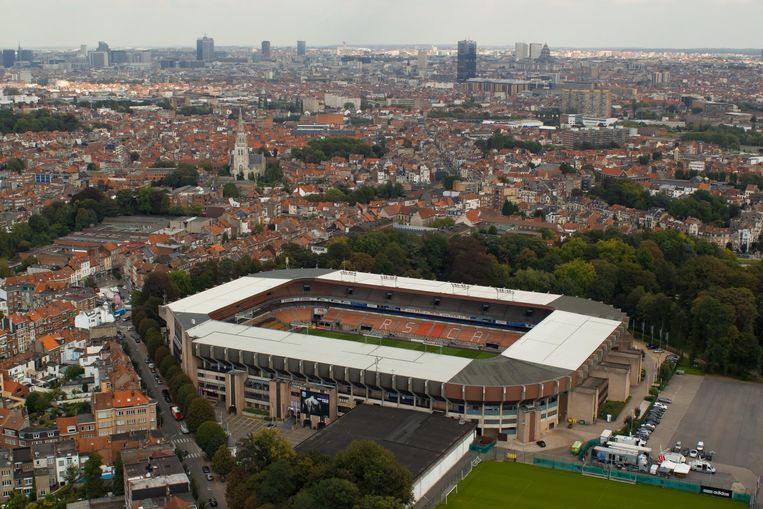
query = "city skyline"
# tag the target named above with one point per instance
(563, 23)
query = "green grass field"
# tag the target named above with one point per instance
(494, 485)
(397, 343)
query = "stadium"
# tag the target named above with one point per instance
(311, 344)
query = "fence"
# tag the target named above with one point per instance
(449, 484)
(626, 476)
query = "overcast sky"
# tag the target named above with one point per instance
(580, 23)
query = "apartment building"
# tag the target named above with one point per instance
(123, 411)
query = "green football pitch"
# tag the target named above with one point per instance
(494, 485)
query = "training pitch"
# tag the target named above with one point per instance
(518, 486)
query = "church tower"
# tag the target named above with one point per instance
(240, 163)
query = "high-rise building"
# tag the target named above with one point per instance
(421, 62)
(521, 51)
(301, 48)
(99, 59)
(102, 46)
(535, 50)
(660, 78)
(265, 50)
(24, 55)
(594, 103)
(205, 49)
(466, 66)
(9, 57)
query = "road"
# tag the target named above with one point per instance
(169, 426)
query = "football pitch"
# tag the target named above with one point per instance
(494, 485)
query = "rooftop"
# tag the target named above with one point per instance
(563, 340)
(351, 354)
(416, 439)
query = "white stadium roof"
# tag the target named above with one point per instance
(445, 288)
(351, 354)
(220, 296)
(562, 340)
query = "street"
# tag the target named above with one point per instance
(169, 426)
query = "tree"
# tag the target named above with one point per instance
(161, 353)
(84, 218)
(199, 412)
(38, 402)
(210, 436)
(374, 470)
(17, 501)
(442, 222)
(182, 281)
(15, 165)
(334, 493)
(73, 371)
(223, 461)
(575, 277)
(72, 474)
(230, 190)
(183, 394)
(262, 448)
(509, 208)
(166, 364)
(92, 473)
(117, 482)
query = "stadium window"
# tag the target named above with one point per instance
(389, 295)
(437, 302)
(529, 312)
(485, 307)
(306, 287)
(349, 291)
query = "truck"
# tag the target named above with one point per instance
(576, 446)
(702, 466)
(622, 439)
(176, 413)
(621, 457)
(628, 447)
(605, 437)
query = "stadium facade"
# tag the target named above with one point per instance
(261, 343)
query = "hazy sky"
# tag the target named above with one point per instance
(598, 23)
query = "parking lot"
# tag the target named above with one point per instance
(727, 415)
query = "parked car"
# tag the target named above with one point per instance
(541, 443)
(184, 429)
(700, 446)
(693, 453)
(212, 502)
(205, 469)
(210, 477)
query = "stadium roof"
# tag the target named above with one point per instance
(345, 353)
(562, 340)
(220, 296)
(442, 287)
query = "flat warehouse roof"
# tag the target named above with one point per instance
(562, 340)
(339, 352)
